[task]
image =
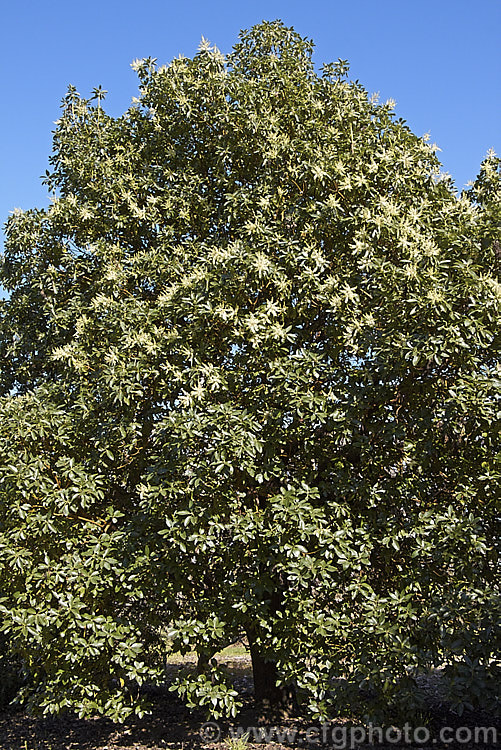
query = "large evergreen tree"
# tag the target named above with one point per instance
(251, 387)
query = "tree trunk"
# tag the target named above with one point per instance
(279, 698)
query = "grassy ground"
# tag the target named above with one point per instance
(236, 652)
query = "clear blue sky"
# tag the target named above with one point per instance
(439, 59)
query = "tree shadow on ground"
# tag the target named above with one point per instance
(172, 726)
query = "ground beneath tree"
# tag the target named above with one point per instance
(173, 726)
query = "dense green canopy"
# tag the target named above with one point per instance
(251, 386)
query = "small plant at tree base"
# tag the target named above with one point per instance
(241, 743)
(251, 383)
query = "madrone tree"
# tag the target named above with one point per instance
(251, 388)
